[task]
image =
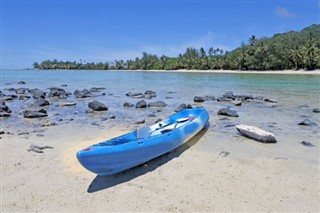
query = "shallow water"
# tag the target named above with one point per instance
(296, 96)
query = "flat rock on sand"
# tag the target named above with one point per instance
(256, 133)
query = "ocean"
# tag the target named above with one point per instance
(296, 96)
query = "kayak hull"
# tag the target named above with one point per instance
(126, 151)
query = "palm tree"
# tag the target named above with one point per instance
(252, 40)
(309, 52)
(295, 55)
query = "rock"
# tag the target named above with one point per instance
(316, 110)
(209, 98)
(259, 98)
(135, 95)
(97, 106)
(270, 100)
(96, 89)
(24, 97)
(38, 148)
(308, 144)
(228, 112)
(4, 110)
(256, 133)
(141, 104)
(66, 104)
(21, 91)
(157, 104)
(128, 104)
(2, 132)
(8, 97)
(150, 94)
(36, 93)
(152, 116)
(4, 107)
(182, 107)
(41, 102)
(63, 85)
(56, 92)
(307, 122)
(199, 99)
(140, 122)
(224, 99)
(34, 113)
(47, 124)
(224, 153)
(237, 102)
(82, 94)
(21, 82)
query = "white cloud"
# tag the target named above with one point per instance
(284, 13)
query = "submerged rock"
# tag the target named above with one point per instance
(82, 94)
(256, 133)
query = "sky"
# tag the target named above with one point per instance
(108, 30)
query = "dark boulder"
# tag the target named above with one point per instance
(82, 94)
(41, 102)
(199, 99)
(135, 95)
(308, 144)
(96, 89)
(56, 92)
(157, 104)
(316, 110)
(97, 106)
(307, 122)
(228, 112)
(35, 113)
(270, 100)
(141, 104)
(4, 110)
(21, 82)
(36, 93)
(20, 91)
(140, 122)
(128, 104)
(182, 107)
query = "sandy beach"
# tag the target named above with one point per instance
(218, 170)
(186, 180)
(280, 72)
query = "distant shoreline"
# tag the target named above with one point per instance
(289, 72)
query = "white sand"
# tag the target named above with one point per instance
(187, 180)
(290, 72)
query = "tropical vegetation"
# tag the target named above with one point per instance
(290, 50)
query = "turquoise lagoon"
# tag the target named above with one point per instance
(296, 95)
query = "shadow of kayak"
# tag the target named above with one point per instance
(105, 182)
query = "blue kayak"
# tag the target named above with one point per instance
(132, 149)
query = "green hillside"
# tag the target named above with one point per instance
(290, 50)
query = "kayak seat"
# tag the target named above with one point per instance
(143, 132)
